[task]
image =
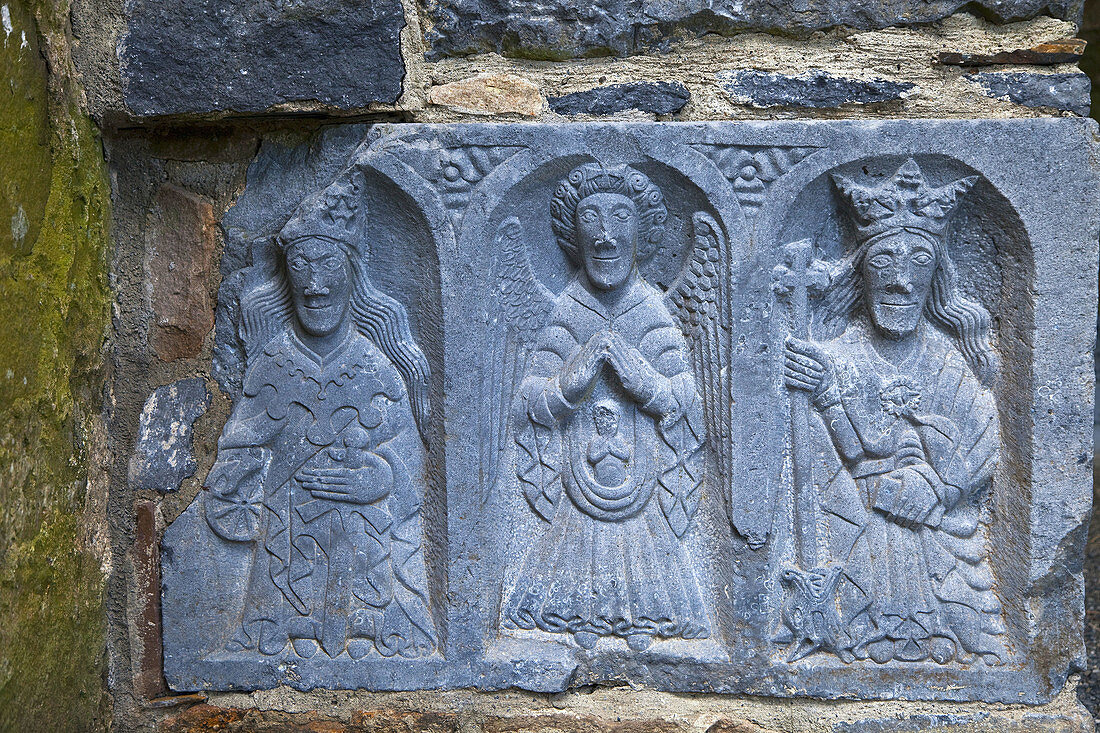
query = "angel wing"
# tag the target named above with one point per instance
(697, 301)
(525, 305)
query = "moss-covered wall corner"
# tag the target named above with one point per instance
(54, 311)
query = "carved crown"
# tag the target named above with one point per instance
(904, 202)
(336, 213)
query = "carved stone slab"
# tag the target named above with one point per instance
(767, 408)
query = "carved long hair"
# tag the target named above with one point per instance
(267, 310)
(593, 178)
(967, 322)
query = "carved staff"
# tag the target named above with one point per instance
(795, 281)
(810, 612)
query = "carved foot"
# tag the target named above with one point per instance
(881, 651)
(942, 649)
(359, 648)
(272, 639)
(585, 639)
(304, 648)
(639, 642)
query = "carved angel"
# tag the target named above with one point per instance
(605, 412)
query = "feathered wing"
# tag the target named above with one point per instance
(524, 308)
(697, 302)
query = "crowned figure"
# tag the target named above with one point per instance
(608, 412)
(321, 464)
(908, 433)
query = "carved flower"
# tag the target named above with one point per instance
(900, 398)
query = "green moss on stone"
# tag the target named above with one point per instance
(53, 316)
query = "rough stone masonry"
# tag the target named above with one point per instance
(728, 369)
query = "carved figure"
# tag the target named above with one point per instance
(321, 462)
(607, 414)
(908, 435)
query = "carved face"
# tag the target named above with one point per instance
(897, 277)
(320, 284)
(607, 237)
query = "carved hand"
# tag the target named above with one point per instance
(905, 497)
(807, 367)
(637, 375)
(581, 370)
(354, 485)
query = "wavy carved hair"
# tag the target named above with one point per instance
(593, 178)
(267, 310)
(967, 322)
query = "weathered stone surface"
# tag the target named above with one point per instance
(1069, 92)
(656, 97)
(816, 88)
(162, 457)
(247, 55)
(1066, 51)
(735, 377)
(489, 94)
(560, 29)
(182, 233)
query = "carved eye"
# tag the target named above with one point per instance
(588, 216)
(622, 215)
(880, 261)
(922, 258)
(298, 264)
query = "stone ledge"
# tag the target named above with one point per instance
(611, 710)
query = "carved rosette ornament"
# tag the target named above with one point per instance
(905, 441)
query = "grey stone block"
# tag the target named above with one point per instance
(816, 88)
(1069, 92)
(560, 29)
(780, 409)
(163, 455)
(661, 98)
(248, 56)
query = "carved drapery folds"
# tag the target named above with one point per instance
(702, 407)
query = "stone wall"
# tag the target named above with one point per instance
(54, 320)
(185, 95)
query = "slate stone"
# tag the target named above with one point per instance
(509, 393)
(817, 89)
(655, 97)
(1064, 51)
(163, 455)
(559, 29)
(249, 56)
(1069, 92)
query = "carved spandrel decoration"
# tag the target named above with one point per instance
(541, 406)
(891, 542)
(608, 418)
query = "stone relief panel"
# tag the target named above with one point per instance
(893, 553)
(747, 408)
(607, 416)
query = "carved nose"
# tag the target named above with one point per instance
(901, 283)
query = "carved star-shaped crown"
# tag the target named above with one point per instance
(904, 202)
(336, 213)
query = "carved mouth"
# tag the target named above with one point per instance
(898, 305)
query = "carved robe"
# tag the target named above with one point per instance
(929, 421)
(611, 562)
(323, 569)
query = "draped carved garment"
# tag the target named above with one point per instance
(324, 569)
(611, 562)
(929, 422)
